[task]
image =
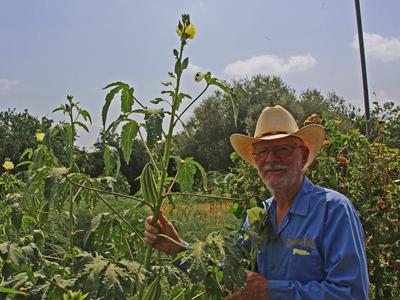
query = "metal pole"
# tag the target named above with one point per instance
(363, 67)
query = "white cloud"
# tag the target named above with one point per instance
(382, 97)
(379, 47)
(194, 69)
(6, 85)
(270, 64)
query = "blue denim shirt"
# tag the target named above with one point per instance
(323, 253)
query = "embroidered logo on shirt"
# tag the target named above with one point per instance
(300, 242)
(300, 252)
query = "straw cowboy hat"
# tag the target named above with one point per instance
(276, 123)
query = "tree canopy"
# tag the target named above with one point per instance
(207, 132)
(17, 133)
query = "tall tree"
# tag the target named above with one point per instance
(17, 133)
(207, 132)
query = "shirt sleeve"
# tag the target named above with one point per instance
(178, 263)
(344, 260)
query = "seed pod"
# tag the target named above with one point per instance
(148, 185)
(43, 216)
(154, 291)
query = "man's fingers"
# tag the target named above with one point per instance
(150, 220)
(149, 238)
(163, 220)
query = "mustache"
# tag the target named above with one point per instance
(275, 166)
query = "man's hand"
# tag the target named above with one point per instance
(256, 288)
(164, 227)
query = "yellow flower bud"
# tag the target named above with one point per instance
(8, 165)
(39, 137)
(190, 30)
(254, 214)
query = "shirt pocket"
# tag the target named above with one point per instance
(302, 265)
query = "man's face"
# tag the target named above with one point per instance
(279, 173)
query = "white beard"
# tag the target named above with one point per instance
(284, 183)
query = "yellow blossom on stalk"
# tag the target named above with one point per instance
(254, 214)
(8, 165)
(190, 30)
(39, 137)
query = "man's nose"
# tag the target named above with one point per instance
(272, 157)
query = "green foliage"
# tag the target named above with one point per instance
(212, 259)
(17, 133)
(101, 278)
(368, 174)
(68, 231)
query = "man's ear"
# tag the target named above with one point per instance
(305, 152)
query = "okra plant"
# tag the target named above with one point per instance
(156, 183)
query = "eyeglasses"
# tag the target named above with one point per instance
(280, 151)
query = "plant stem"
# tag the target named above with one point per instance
(166, 157)
(106, 192)
(71, 197)
(126, 241)
(119, 215)
(165, 162)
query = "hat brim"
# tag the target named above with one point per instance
(313, 136)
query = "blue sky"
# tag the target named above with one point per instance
(51, 48)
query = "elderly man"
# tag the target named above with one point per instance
(323, 254)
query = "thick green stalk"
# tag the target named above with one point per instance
(166, 157)
(71, 196)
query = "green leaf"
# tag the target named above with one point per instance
(90, 280)
(115, 284)
(186, 177)
(80, 124)
(11, 291)
(21, 255)
(231, 93)
(185, 63)
(15, 283)
(85, 114)
(74, 168)
(157, 100)
(111, 159)
(172, 275)
(52, 183)
(154, 119)
(197, 260)
(126, 100)
(138, 270)
(39, 238)
(65, 133)
(81, 260)
(171, 75)
(128, 134)
(201, 169)
(187, 172)
(110, 96)
(106, 280)
(92, 226)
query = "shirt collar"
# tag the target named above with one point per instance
(302, 202)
